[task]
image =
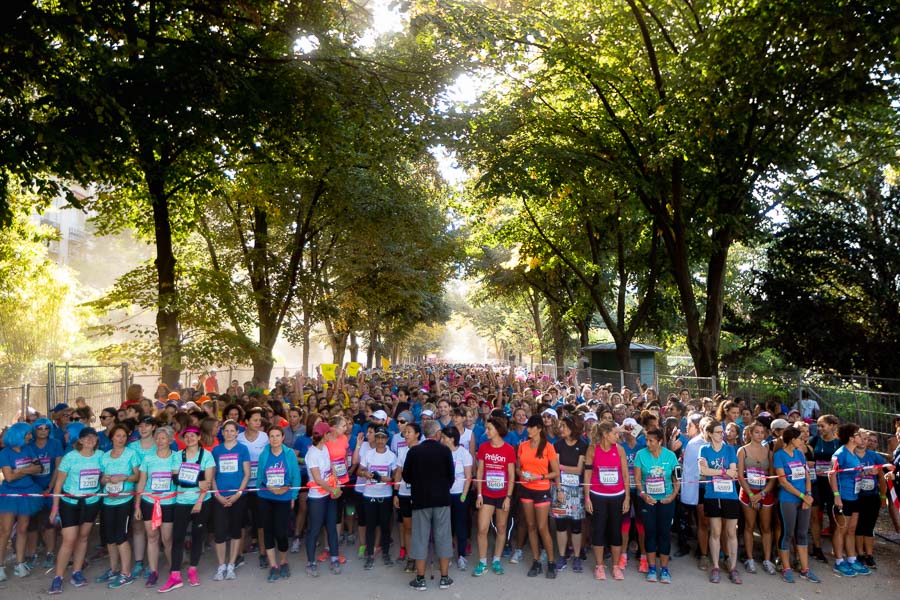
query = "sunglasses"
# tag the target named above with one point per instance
(400, 422)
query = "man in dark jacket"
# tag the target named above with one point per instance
(429, 472)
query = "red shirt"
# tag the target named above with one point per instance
(496, 469)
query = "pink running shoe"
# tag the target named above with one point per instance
(173, 583)
(193, 578)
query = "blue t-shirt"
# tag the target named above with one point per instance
(104, 444)
(867, 484)
(125, 464)
(230, 467)
(47, 455)
(719, 488)
(845, 459)
(159, 480)
(16, 460)
(82, 476)
(794, 466)
(514, 439)
(630, 453)
(302, 446)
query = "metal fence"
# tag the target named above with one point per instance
(224, 375)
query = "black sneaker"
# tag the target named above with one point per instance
(446, 582)
(388, 562)
(239, 561)
(410, 566)
(418, 584)
(869, 561)
(370, 563)
(819, 555)
(683, 550)
(535, 569)
(263, 561)
(551, 570)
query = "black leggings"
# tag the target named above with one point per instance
(378, 514)
(228, 523)
(569, 524)
(114, 522)
(607, 520)
(198, 521)
(459, 519)
(274, 516)
(869, 507)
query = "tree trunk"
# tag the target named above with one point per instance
(560, 339)
(262, 367)
(338, 347)
(354, 347)
(623, 355)
(167, 311)
(373, 344)
(534, 308)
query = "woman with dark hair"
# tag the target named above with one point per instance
(120, 472)
(794, 502)
(845, 470)
(279, 480)
(657, 488)
(459, 509)
(872, 496)
(232, 475)
(757, 495)
(156, 490)
(497, 474)
(568, 505)
(324, 489)
(537, 467)
(255, 440)
(411, 433)
(718, 467)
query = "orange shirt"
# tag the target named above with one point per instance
(340, 459)
(529, 461)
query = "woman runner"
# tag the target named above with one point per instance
(324, 490)
(607, 495)
(794, 503)
(121, 470)
(568, 506)
(496, 474)
(718, 464)
(232, 476)
(156, 490)
(757, 496)
(657, 488)
(538, 466)
(459, 509)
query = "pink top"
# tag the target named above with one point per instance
(606, 475)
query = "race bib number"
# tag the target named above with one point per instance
(89, 479)
(189, 473)
(798, 471)
(45, 465)
(228, 463)
(254, 468)
(723, 486)
(822, 467)
(655, 486)
(495, 480)
(756, 477)
(340, 468)
(866, 484)
(275, 476)
(160, 481)
(608, 475)
(115, 488)
(569, 479)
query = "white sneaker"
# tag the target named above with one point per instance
(22, 570)
(295, 546)
(462, 563)
(769, 567)
(750, 565)
(516, 557)
(229, 572)
(2, 573)
(220, 573)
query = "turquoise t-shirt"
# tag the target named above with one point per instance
(847, 479)
(123, 465)
(82, 476)
(656, 472)
(159, 476)
(142, 452)
(189, 472)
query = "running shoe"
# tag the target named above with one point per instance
(446, 582)
(844, 569)
(651, 575)
(870, 561)
(462, 563)
(173, 583)
(220, 573)
(152, 579)
(769, 567)
(643, 566)
(387, 560)
(78, 579)
(229, 572)
(623, 560)
(577, 566)
(106, 576)
(263, 560)
(664, 575)
(122, 579)
(55, 585)
(561, 563)
(535, 569)
(714, 576)
(507, 551)
(3, 576)
(361, 552)
(819, 555)
(273, 575)
(240, 561)
(618, 574)
(735, 577)
(497, 567)
(810, 576)
(335, 567)
(479, 569)
(323, 555)
(788, 575)
(193, 577)
(49, 561)
(31, 562)
(370, 563)
(516, 557)
(22, 570)
(418, 584)
(704, 563)
(860, 568)
(312, 569)
(543, 557)
(284, 571)
(551, 570)
(750, 565)
(410, 566)
(600, 573)
(295, 545)
(402, 553)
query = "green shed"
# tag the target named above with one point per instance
(643, 359)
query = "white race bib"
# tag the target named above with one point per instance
(189, 473)
(160, 481)
(608, 475)
(275, 476)
(115, 488)
(569, 479)
(228, 463)
(723, 486)
(798, 472)
(89, 479)
(756, 477)
(340, 468)
(45, 465)
(655, 486)
(822, 467)
(495, 480)
(866, 484)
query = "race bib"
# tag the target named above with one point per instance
(655, 486)
(340, 468)
(756, 477)
(89, 479)
(822, 467)
(608, 475)
(228, 463)
(22, 462)
(569, 479)
(189, 473)
(254, 467)
(45, 465)
(798, 471)
(723, 486)
(160, 481)
(495, 480)
(115, 488)
(866, 484)
(275, 476)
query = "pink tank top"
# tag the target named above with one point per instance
(606, 476)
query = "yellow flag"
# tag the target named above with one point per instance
(353, 369)
(385, 364)
(328, 371)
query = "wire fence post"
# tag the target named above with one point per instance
(621, 379)
(51, 386)
(24, 401)
(124, 385)
(712, 385)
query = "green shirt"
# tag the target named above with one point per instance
(123, 465)
(656, 473)
(187, 471)
(159, 476)
(82, 476)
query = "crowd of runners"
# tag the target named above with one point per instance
(575, 476)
